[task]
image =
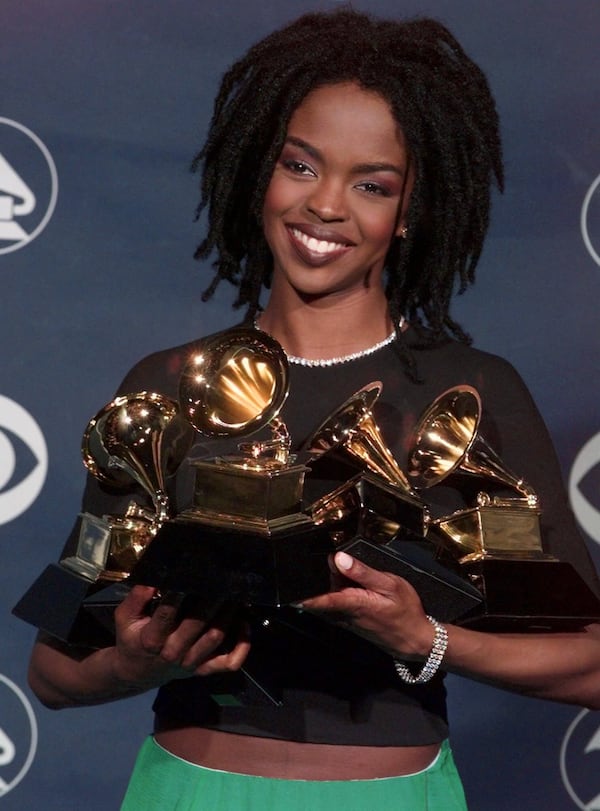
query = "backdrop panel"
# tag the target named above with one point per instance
(102, 105)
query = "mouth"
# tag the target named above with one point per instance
(317, 248)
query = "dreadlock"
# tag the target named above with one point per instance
(441, 100)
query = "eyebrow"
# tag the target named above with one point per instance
(359, 169)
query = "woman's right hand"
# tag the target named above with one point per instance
(149, 650)
(153, 649)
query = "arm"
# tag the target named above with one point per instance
(149, 651)
(387, 610)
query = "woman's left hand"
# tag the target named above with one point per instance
(387, 610)
(381, 607)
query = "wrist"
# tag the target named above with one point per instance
(121, 676)
(434, 658)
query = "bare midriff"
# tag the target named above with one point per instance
(291, 760)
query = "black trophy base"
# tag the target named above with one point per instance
(530, 596)
(234, 564)
(445, 595)
(55, 604)
(383, 528)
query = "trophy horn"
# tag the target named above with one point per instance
(137, 437)
(447, 439)
(351, 430)
(236, 384)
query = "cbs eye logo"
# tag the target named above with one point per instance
(590, 220)
(23, 460)
(584, 492)
(18, 735)
(580, 761)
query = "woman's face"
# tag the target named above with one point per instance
(338, 194)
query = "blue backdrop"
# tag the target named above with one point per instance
(102, 105)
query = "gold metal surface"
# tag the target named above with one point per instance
(510, 532)
(235, 385)
(352, 431)
(127, 440)
(136, 437)
(109, 547)
(446, 439)
(373, 504)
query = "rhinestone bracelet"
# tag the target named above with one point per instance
(434, 660)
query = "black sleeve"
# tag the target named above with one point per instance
(513, 426)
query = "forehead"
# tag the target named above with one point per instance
(349, 116)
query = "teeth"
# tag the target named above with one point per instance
(316, 245)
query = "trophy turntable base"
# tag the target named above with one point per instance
(535, 595)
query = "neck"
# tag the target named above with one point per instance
(319, 331)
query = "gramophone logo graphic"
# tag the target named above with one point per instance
(28, 185)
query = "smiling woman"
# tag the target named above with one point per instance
(347, 169)
(337, 198)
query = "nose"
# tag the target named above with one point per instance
(327, 200)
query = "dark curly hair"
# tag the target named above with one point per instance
(441, 100)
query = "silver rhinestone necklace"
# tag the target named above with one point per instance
(363, 353)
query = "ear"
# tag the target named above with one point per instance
(401, 230)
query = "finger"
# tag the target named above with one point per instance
(202, 649)
(190, 640)
(345, 602)
(134, 605)
(185, 636)
(230, 661)
(162, 623)
(365, 576)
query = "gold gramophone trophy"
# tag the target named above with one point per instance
(234, 387)
(497, 542)
(351, 433)
(245, 534)
(135, 439)
(376, 516)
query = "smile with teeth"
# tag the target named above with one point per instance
(320, 246)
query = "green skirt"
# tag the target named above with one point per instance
(163, 782)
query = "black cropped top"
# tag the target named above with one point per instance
(307, 680)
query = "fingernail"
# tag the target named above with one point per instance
(343, 561)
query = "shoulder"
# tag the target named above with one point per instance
(455, 362)
(457, 351)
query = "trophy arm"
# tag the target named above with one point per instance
(480, 460)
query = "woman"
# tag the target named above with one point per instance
(348, 169)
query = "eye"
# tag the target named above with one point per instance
(298, 167)
(370, 187)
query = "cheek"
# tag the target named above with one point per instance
(277, 202)
(280, 196)
(380, 228)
